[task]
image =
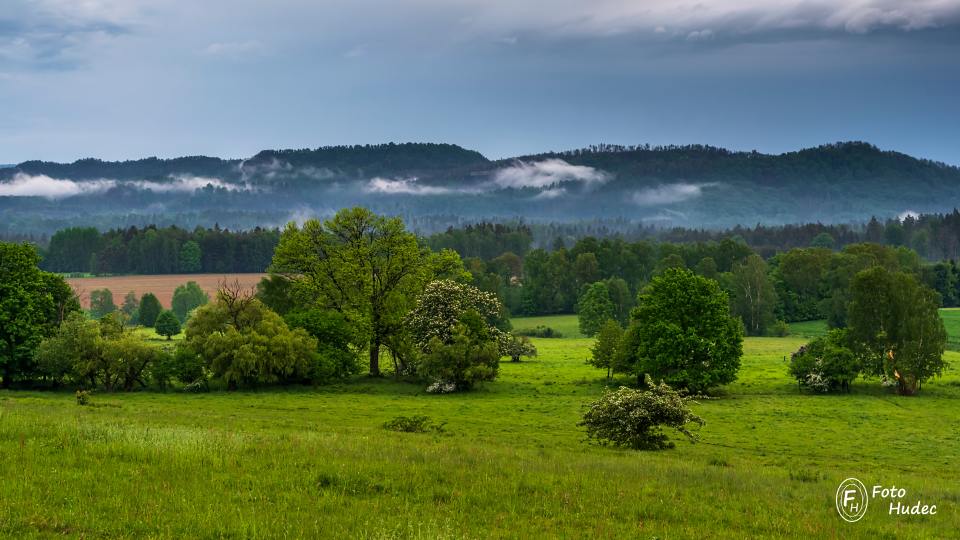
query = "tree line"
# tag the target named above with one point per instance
(357, 284)
(160, 250)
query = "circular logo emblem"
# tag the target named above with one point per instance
(852, 500)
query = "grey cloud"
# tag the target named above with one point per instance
(54, 34)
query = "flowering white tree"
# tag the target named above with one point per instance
(441, 305)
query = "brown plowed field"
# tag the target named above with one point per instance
(160, 285)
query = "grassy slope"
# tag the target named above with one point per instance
(512, 463)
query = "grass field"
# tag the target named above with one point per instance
(567, 325)
(510, 464)
(160, 285)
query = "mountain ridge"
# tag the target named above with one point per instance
(689, 186)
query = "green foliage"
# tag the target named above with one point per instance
(183, 365)
(32, 304)
(244, 343)
(71, 249)
(160, 250)
(607, 349)
(823, 240)
(594, 308)
(83, 397)
(167, 324)
(150, 309)
(441, 305)
(413, 424)
(190, 257)
(96, 354)
(896, 328)
(469, 357)
(826, 363)
(538, 331)
(753, 297)
(681, 332)
(484, 240)
(337, 342)
(131, 306)
(276, 292)
(366, 266)
(72, 352)
(101, 303)
(780, 329)
(186, 298)
(633, 418)
(621, 297)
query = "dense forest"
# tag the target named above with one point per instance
(157, 250)
(623, 190)
(154, 250)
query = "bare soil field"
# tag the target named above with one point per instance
(160, 285)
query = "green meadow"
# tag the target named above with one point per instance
(509, 463)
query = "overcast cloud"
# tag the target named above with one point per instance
(231, 77)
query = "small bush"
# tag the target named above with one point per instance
(780, 329)
(83, 397)
(826, 363)
(633, 418)
(413, 424)
(538, 332)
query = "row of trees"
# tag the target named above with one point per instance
(358, 283)
(682, 332)
(154, 250)
(147, 308)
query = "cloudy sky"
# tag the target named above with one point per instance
(132, 78)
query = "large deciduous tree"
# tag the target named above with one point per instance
(894, 324)
(368, 267)
(681, 332)
(32, 305)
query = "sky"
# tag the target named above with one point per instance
(124, 79)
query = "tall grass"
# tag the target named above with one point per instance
(510, 462)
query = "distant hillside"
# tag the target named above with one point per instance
(435, 185)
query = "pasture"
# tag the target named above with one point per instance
(162, 285)
(509, 463)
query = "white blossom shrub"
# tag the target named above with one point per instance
(634, 419)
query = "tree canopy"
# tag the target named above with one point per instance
(681, 332)
(366, 266)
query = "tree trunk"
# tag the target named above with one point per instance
(375, 358)
(7, 374)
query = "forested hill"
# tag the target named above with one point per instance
(434, 186)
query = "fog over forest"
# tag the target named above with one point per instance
(435, 186)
